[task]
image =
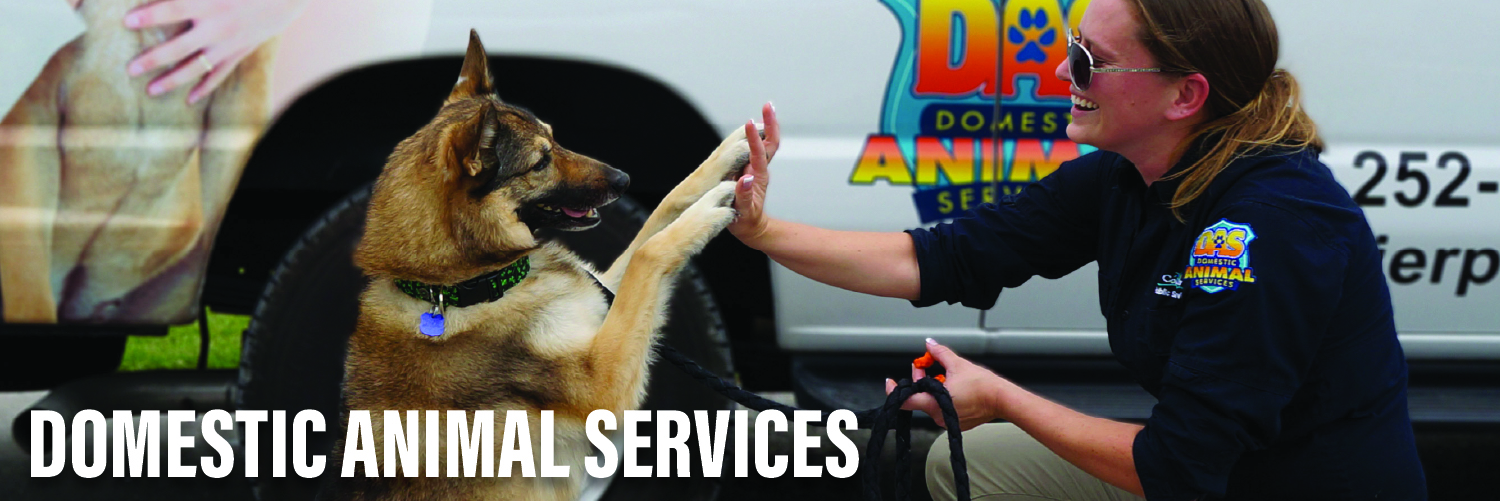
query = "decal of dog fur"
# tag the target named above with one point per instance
(109, 199)
(463, 197)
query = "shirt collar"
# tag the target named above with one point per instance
(1165, 187)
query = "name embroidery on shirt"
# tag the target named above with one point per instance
(1170, 286)
(1220, 259)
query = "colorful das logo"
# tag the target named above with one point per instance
(939, 114)
(1221, 258)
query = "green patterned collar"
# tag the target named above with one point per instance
(485, 288)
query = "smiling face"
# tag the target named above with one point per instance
(1120, 110)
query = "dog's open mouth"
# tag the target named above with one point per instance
(571, 212)
(561, 215)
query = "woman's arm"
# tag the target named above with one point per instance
(882, 264)
(1101, 447)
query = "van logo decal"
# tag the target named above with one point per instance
(938, 119)
(1033, 21)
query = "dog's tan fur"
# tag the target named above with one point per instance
(552, 342)
(109, 199)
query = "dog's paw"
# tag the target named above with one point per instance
(716, 209)
(721, 196)
(728, 161)
(708, 216)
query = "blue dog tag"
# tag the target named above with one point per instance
(432, 324)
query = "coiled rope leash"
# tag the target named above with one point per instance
(879, 420)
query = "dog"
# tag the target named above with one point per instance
(109, 199)
(463, 198)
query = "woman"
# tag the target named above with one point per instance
(1240, 284)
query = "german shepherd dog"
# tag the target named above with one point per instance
(109, 199)
(463, 198)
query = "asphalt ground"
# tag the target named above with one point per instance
(1459, 463)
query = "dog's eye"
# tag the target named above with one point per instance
(544, 161)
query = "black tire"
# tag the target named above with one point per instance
(294, 349)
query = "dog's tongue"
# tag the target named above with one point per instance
(575, 213)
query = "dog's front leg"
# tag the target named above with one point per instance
(724, 164)
(622, 348)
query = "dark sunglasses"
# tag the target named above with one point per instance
(1081, 63)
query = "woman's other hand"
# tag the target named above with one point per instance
(221, 34)
(974, 389)
(750, 193)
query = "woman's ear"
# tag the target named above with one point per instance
(1192, 93)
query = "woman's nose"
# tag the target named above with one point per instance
(1062, 71)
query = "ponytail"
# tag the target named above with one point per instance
(1252, 106)
(1274, 119)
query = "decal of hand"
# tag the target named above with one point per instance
(220, 34)
(750, 192)
(974, 389)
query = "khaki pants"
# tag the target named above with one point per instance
(1007, 464)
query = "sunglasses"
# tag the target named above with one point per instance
(1081, 63)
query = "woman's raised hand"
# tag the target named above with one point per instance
(221, 34)
(750, 192)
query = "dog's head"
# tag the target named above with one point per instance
(470, 189)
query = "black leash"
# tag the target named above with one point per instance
(879, 420)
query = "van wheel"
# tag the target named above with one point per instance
(294, 349)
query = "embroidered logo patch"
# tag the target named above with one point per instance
(1170, 286)
(1221, 258)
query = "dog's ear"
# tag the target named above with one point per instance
(469, 140)
(474, 79)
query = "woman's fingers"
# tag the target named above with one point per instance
(752, 171)
(171, 52)
(186, 71)
(161, 13)
(923, 402)
(750, 193)
(918, 402)
(751, 190)
(758, 157)
(944, 355)
(221, 33)
(772, 130)
(212, 80)
(744, 197)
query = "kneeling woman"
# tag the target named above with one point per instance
(1272, 349)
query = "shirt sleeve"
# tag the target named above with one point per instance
(1050, 230)
(1262, 288)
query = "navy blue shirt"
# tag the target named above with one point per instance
(1263, 324)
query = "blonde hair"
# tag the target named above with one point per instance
(1252, 105)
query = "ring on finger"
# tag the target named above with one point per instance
(207, 66)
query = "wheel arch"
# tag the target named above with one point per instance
(335, 138)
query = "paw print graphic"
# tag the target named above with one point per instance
(1032, 21)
